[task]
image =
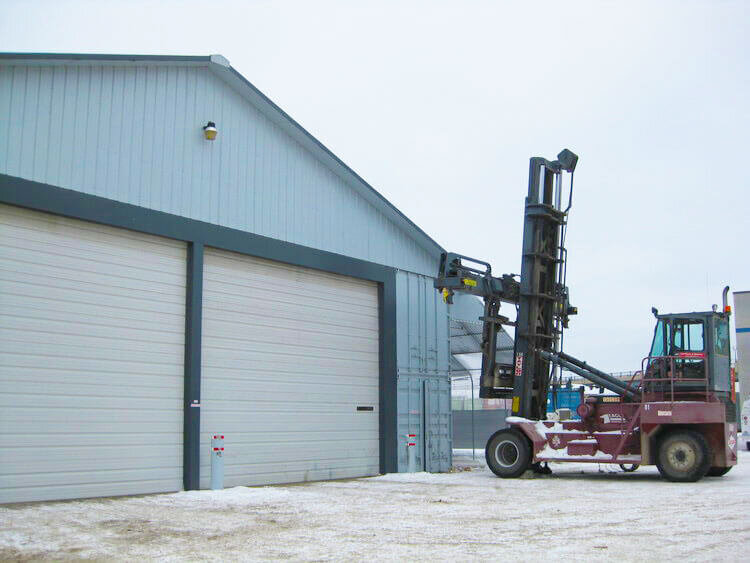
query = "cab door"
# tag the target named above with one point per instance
(688, 346)
(719, 354)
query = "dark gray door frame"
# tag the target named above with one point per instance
(198, 235)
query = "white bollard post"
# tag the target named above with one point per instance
(217, 462)
(411, 452)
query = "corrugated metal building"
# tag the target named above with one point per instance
(742, 334)
(157, 287)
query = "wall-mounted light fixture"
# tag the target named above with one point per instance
(209, 131)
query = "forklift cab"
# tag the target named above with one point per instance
(690, 348)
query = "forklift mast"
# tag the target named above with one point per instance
(541, 296)
(543, 305)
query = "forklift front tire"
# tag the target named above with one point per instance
(718, 471)
(508, 453)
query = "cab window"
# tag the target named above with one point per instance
(687, 336)
(657, 346)
(721, 337)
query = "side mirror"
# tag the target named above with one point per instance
(655, 311)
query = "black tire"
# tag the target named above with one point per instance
(683, 456)
(629, 468)
(508, 453)
(718, 471)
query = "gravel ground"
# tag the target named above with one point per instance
(581, 511)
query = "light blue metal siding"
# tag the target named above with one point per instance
(423, 345)
(132, 133)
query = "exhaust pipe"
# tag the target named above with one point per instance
(725, 300)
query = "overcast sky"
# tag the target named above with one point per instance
(439, 105)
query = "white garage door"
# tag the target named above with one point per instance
(290, 372)
(91, 359)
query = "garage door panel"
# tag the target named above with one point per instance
(31, 384)
(264, 414)
(276, 329)
(283, 340)
(227, 303)
(322, 387)
(48, 308)
(43, 398)
(308, 451)
(114, 352)
(270, 290)
(231, 369)
(140, 481)
(54, 424)
(82, 365)
(266, 355)
(290, 337)
(80, 300)
(288, 355)
(269, 462)
(297, 476)
(57, 439)
(134, 420)
(137, 487)
(284, 459)
(286, 435)
(73, 254)
(231, 320)
(266, 425)
(35, 268)
(87, 314)
(36, 330)
(112, 356)
(282, 282)
(60, 232)
(103, 458)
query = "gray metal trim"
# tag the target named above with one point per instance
(191, 428)
(104, 57)
(388, 375)
(69, 203)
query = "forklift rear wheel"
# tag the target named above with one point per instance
(508, 453)
(629, 468)
(683, 456)
(718, 471)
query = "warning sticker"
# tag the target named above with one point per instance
(519, 365)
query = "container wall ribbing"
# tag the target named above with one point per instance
(423, 360)
(422, 324)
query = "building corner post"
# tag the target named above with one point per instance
(192, 377)
(388, 381)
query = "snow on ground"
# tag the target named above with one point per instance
(581, 511)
